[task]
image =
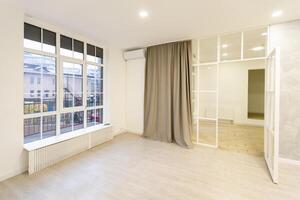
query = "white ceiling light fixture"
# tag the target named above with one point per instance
(224, 46)
(258, 48)
(277, 13)
(225, 54)
(264, 34)
(143, 14)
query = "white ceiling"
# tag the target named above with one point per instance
(116, 22)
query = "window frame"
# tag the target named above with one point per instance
(59, 79)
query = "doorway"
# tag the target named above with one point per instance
(221, 106)
(237, 132)
(256, 94)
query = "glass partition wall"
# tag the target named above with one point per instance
(207, 55)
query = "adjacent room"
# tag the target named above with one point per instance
(140, 99)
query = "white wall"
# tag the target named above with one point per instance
(135, 79)
(116, 73)
(287, 37)
(233, 91)
(13, 159)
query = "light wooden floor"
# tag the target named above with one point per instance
(235, 138)
(133, 168)
(242, 139)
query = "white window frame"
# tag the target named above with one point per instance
(59, 79)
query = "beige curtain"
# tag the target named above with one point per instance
(167, 106)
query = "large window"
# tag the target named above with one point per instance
(63, 92)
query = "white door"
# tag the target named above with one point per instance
(271, 128)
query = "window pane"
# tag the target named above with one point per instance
(99, 85)
(32, 32)
(92, 71)
(65, 46)
(101, 73)
(99, 116)
(90, 50)
(231, 47)
(68, 84)
(91, 101)
(78, 120)
(91, 85)
(68, 100)
(72, 84)
(49, 126)
(32, 37)
(78, 49)
(91, 53)
(91, 75)
(78, 85)
(68, 90)
(32, 88)
(49, 101)
(32, 129)
(208, 49)
(99, 55)
(255, 43)
(99, 99)
(32, 103)
(49, 84)
(91, 118)
(94, 85)
(78, 99)
(49, 41)
(65, 123)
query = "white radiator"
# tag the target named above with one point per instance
(49, 155)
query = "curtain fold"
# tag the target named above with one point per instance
(167, 102)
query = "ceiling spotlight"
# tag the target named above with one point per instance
(259, 48)
(143, 14)
(264, 34)
(225, 54)
(277, 13)
(224, 46)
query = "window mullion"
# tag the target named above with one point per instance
(42, 93)
(85, 85)
(59, 83)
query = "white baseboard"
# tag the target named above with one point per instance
(13, 173)
(289, 161)
(118, 131)
(134, 132)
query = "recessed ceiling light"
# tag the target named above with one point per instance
(264, 34)
(259, 48)
(224, 46)
(225, 54)
(143, 14)
(277, 13)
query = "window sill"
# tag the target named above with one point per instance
(63, 137)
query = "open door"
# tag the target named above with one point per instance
(271, 128)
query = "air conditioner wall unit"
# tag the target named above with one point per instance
(134, 54)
